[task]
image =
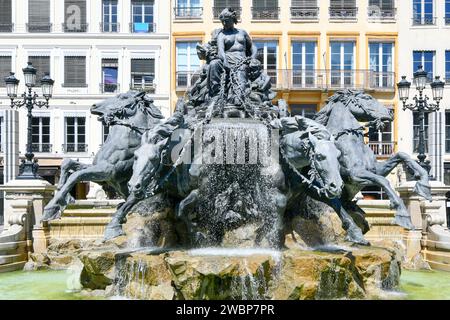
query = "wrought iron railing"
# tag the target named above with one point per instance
(188, 12)
(218, 10)
(340, 13)
(382, 149)
(74, 147)
(265, 13)
(108, 27)
(423, 21)
(302, 13)
(39, 27)
(186, 79)
(109, 87)
(382, 80)
(42, 147)
(381, 13)
(6, 27)
(75, 27)
(447, 18)
(137, 27)
(447, 77)
(147, 87)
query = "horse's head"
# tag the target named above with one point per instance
(124, 106)
(306, 143)
(147, 160)
(363, 106)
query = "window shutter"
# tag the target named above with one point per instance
(39, 12)
(42, 64)
(5, 68)
(382, 4)
(75, 12)
(75, 71)
(265, 3)
(304, 3)
(5, 12)
(343, 3)
(227, 3)
(143, 66)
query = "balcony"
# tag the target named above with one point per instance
(137, 27)
(75, 27)
(447, 77)
(147, 87)
(382, 149)
(265, 13)
(42, 147)
(183, 13)
(218, 10)
(6, 27)
(302, 13)
(343, 13)
(447, 19)
(186, 79)
(107, 27)
(382, 80)
(39, 27)
(424, 21)
(381, 14)
(109, 87)
(74, 147)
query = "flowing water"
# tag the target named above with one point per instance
(52, 285)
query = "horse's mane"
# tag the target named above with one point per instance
(148, 108)
(340, 96)
(305, 125)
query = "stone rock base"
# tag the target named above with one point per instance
(350, 273)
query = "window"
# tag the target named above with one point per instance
(6, 24)
(381, 64)
(267, 55)
(110, 71)
(188, 9)
(75, 71)
(188, 63)
(423, 12)
(343, 9)
(142, 74)
(342, 63)
(75, 16)
(39, 16)
(265, 10)
(105, 132)
(304, 110)
(219, 5)
(447, 13)
(304, 9)
(304, 63)
(42, 65)
(425, 59)
(110, 23)
(41, 134)
(381, 9)
(1, 137)
(142, 16)
(381, 141)
(75, 134)
(447, 132)
(416, 131)
(5, 68)
(447, 66)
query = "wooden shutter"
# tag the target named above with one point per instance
(143, 66)
(75, 71)
(42, 64)
(227, 3)
(265, 3)
(343, 3)
(70, 15)
(5, 12)
(39, 12)
(304, 3)
(5, 68)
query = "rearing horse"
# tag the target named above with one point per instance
(359, 167)
(128, 115)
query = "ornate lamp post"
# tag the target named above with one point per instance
(421, 105)
(29, 167)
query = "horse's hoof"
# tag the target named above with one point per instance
(112, 232)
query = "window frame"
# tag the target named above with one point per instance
(109, 26)
(76, 144)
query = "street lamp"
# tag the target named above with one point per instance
(421, 105)
(29, 167)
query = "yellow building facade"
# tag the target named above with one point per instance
(309, 48)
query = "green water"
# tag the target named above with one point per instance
(52, 285)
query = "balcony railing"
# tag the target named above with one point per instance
(74, 85)
(108, 27)
(39, 27)
(109, 87)
(447, 77)
(382, 149)
(382, 80)
(147, 87)
(343, 13)
(447, 18)
(74, 147)
(302, 13)
(424, 21)
(137, 27)
(265, 13)
(186, 79)
(42, 147)
(218, 10)
(188, 13)
(381, 14)
(75, 27)
(6, 27)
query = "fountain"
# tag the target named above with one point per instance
(231, 198)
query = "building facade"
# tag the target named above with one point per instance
(309, 48)
(93, 50)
